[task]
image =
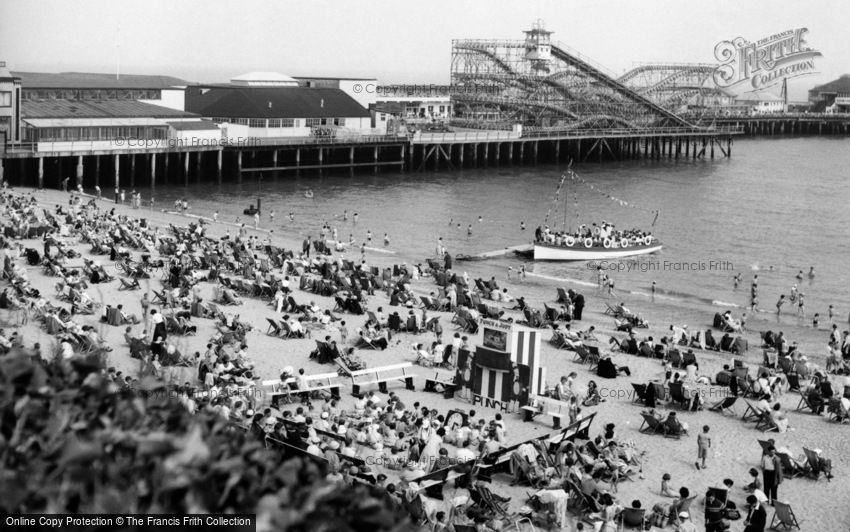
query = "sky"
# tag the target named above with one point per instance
(394, 41)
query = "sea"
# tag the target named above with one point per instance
(775, 208)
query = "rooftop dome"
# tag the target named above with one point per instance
(264, 79)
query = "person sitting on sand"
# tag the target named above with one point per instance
(672, 425)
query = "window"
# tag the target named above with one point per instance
(274, 122)
(312, 122)
(339, 122)
(430, 108)
(442, 108)
(257, 122)
(382, 117)
(288, 122)
(5, 99)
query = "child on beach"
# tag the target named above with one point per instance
(756, 482)
(779, 304)
(343, 333)
(815, 320)
(666, 489)
(703, 443)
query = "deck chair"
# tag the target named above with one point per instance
(789, 468)
(765, 423)
(113, 317)
(783, 516)
(562, 296)
(765, 445)
(274, 329)
(582, 354)
(815, 468)
(640, 392)
(653, 425)
(805, 404)
(365, 343)
(133, 284)
(751, 413)
(677, 394)
(725, 405)
(633, 518)
(611, 311)
(674, 357)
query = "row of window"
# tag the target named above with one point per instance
(91, 94)
(281, 122)
(5, 99)
(67, 134)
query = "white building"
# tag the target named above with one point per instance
(264, 79)
(761, 102)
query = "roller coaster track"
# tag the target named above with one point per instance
(517, 103)
(615, 85)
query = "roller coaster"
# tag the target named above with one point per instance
(543, 84)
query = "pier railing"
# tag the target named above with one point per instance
(313, 141)
(630, 132)
(464, 136)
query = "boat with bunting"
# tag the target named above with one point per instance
(594, 242)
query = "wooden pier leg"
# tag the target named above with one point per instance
(165, 171)
(153, 170)
(536, 146)
(219, 157)
(97, 170)
(132, 170)
(239, 166)
(79, 170)
(522, 152)
(117, 172)
(321, 160)
(41, 173)
(186, 168)
(297, 161)
(712, 148)
(460, 148)
(475, 155)
(729, 147)
(375, 159)
(557, 151)
(510, 153)
(486, 153)
(498, 152)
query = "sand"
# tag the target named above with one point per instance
(734, 450)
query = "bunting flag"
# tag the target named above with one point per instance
(623, 203)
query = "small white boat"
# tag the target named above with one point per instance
(581, 251)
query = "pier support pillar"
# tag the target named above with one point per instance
(475, 155)
(153, 171)
(498, 152)
(557, 151)
(274, 157)
(132, 170)
(97, 170)
(79, 170)
(486, 153)
(297, 161)
(219, 157)
(165, 167)
(186, 169)
(410, 157)
(351, 161)
(117, 173)
(375, 159)
(712, 148)
(729, 147)
(198, 166)
(521, 152)
(510, 153)
(1, 170)
(536, 146)
(321, 160)
(460, 148)
(239, 166)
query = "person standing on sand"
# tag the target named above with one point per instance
(215, 216)
(256, 220)
(801, 306)
(779, 305)
(703, 444)
(772, 472)
(146, 303)
(271, 216)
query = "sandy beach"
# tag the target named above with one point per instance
(734, 442)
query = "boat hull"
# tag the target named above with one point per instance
(578, 252)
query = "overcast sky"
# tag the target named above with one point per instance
(395, 41)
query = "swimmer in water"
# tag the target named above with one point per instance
(458, 226)
(522, 226)
(345, 215)
(469, 230)
(291, 217)
(480, 219)
(800, 275)
(386, 240)
(451, 221)
(811, 272)
(355, 217)
(271, 215)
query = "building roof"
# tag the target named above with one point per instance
(758, 96)
(87, 80)
(5, 75)
(334, 78)
(263, 77)
(272, 102)
(841, 85)
(97, 109)
(194, 125)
